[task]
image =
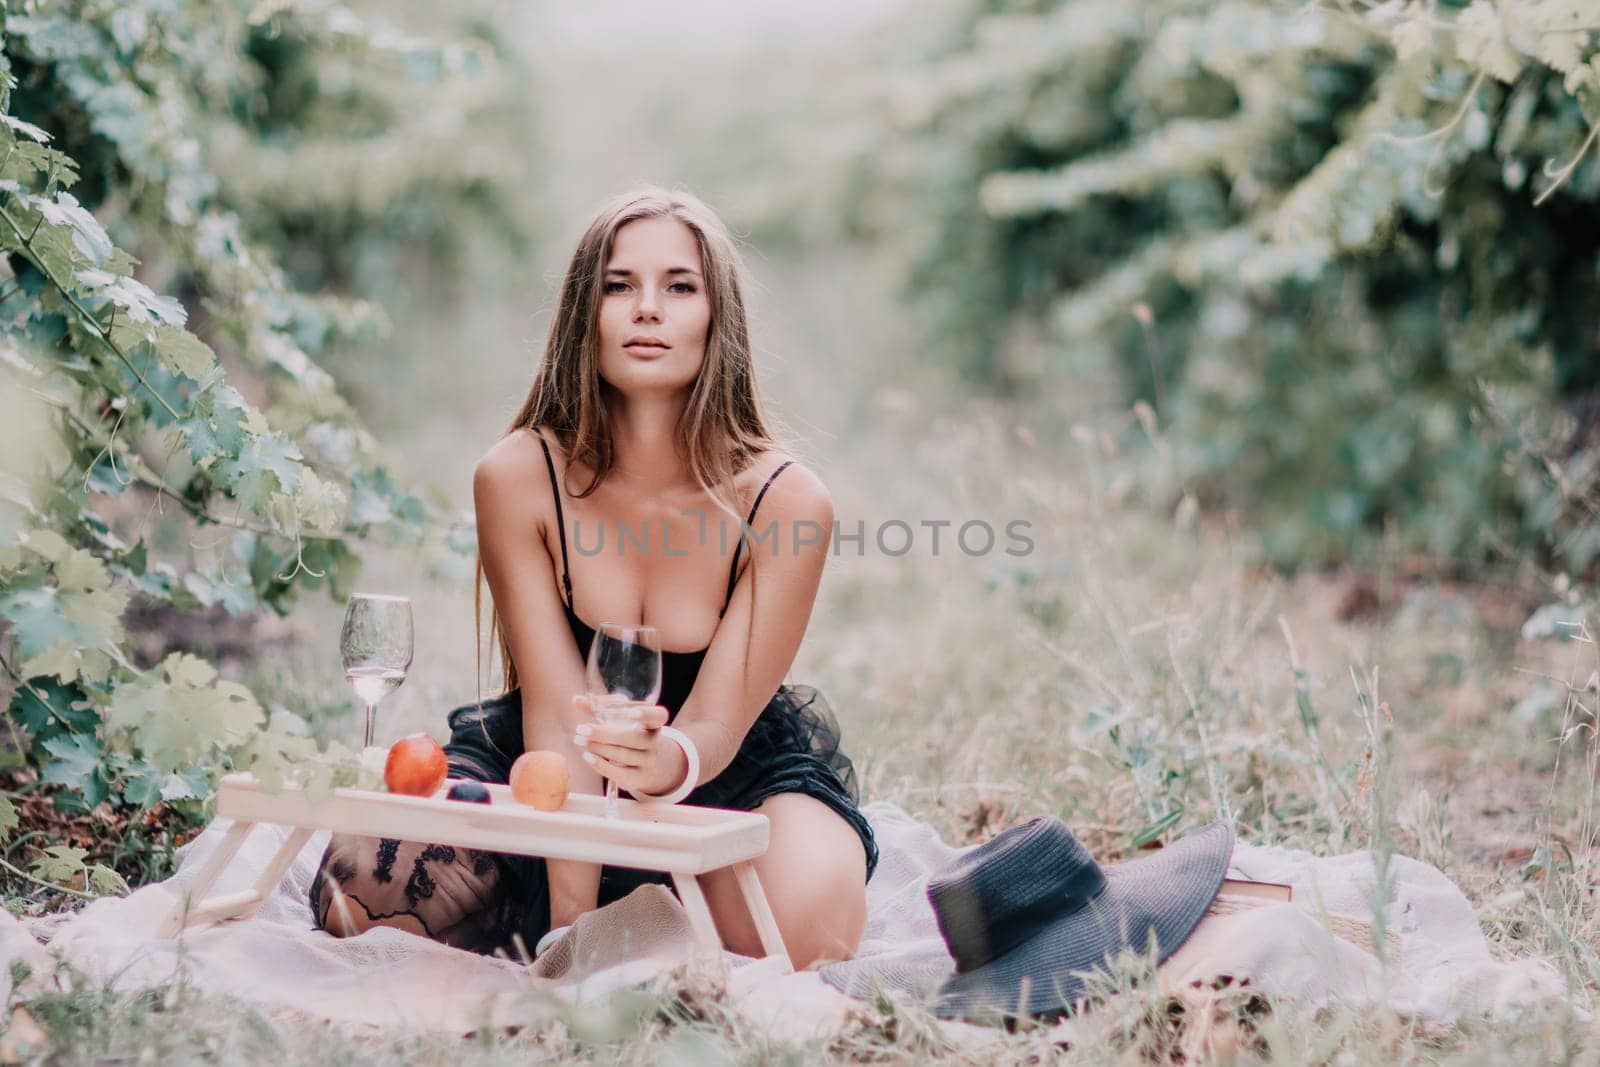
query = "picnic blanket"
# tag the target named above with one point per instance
(1435, 960)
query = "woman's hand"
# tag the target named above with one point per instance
(632, 753)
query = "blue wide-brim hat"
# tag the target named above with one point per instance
(1030, 915)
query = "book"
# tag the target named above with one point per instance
(1240, 887)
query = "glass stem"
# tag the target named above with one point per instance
(611, 798)
(368, 742)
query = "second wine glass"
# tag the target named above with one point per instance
(624, 668)
(375, 644)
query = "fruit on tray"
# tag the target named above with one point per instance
(470, 791)
(416, 766)
(540, 779)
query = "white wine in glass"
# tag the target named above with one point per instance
(624, 668)
(375, 644)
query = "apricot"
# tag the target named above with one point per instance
(540, 779)
(416, 766)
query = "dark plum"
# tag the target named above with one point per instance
(470, 791)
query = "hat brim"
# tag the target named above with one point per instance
(1162, 897)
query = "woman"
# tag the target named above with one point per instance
(643, 416)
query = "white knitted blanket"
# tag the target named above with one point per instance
(386, 978)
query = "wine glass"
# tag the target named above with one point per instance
(376, 646)
(624, 668)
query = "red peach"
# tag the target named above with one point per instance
(416, 766)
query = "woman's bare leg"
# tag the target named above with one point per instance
(815, 876)
(574, 885)
(450, 894)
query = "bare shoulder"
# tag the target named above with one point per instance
(796, 493)
(511, 478)
(516, 460)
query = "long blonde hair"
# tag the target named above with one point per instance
(723, 427)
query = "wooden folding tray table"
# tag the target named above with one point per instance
(682, 840)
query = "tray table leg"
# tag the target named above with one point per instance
(273, 874)
(226, 849)
(755, 898)
(694, 902)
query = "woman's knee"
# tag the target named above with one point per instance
(823, 918)
(820, 920)
(815, 879)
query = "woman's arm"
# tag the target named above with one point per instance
(795, 524)
(725, 700)
(511, 493)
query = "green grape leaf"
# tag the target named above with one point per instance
(263, 566)
(319, 503)
(184, 352)
(71, 629)
(179, 715)
(339, 566)
(229, 587)
(63, 660)
(141, 784)
(27, 129)
(335, 769)
(96, 618)
(106, 478)
(1481, 40)
(9, 820)
(267, 465)
(74, 758)
(158, 581)
(45, 707)
(96, 613)
(36, 619)
(53, 247)
(128, 334)
(141, 303)
(79, 570)
(251, 486)
(120, 262)
(59, 864)
(27, 160)
(105, 881)
(178, 787)
(368, 507)
(272, 755)
(233, 420)
(198, 432)
(84, 229)
(47, 545)
(281, 755)
(135, 560)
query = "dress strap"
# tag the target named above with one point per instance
(561, 520)
(733, 571)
